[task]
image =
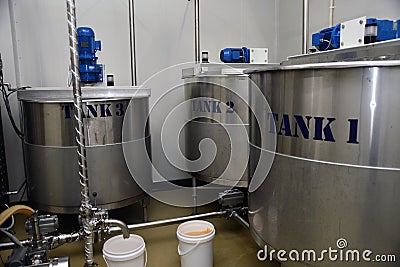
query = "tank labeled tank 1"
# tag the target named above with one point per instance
(336, 174)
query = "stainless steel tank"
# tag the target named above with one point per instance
(50, 148)
(219, 93)
(336, 173)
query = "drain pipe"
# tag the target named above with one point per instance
(331, 12)
(305, 26)
(132, 40)
(138, 226)
(240, 219)
(118, 226)
(85, 209)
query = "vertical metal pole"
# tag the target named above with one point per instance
(86, 207)
(305, 26)
(331, 11)
(132, 40)
(194, 185)
(196, 60)
(197, 31)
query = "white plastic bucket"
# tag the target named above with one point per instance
(120, 252)
(196, 250)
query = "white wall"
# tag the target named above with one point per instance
(164, 35)
(12, 145)
(164, 38)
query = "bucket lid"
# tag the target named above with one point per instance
(197, 230)
(118, 246)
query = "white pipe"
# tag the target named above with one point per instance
(305, 26)
(132, 40)
(15, 43)
(138, 226)
(331, 12)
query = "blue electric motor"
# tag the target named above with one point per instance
(235, 55)
(91, 72)
(375, 31)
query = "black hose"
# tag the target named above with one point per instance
(12, 237)
(6, 101)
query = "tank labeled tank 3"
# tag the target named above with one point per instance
(50, 146)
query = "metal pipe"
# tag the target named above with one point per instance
(12, 245)
(196, 31)
(331, 12)
(139, 226)
(305, 26)
(194, 195)
(85, 209)
(132, 40)
(69, 238)
(55, 241)
(14, 38)
(124, 228)
(240, 219)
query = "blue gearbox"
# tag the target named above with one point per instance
(235, 55)
(375, 31)
(91, 72)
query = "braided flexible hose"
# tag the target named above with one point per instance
(86, 207)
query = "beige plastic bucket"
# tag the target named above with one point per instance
(120, 252)
(196, 243)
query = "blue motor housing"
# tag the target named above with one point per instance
(91, 72)
(375, 31)
(381, 30)
(235, 55)
(327, 39)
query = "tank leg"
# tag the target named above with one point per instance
(145, 203)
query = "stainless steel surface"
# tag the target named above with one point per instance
(132, 40)
(211, 84)
(197, 31)
(338, 175)
(138, 226)
(306, 26)
(60, 262)
(50, 149)
(120, 224)
(387, 50)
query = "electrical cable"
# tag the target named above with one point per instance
(6, 101)
(12, 237)
(12, 221)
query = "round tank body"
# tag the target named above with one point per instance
(336, 172)
(220, 104)
(51, 160)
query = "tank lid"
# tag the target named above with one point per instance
(218, 69)
(64, 94)
(329, 65)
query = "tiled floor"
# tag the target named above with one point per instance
(233, 245)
